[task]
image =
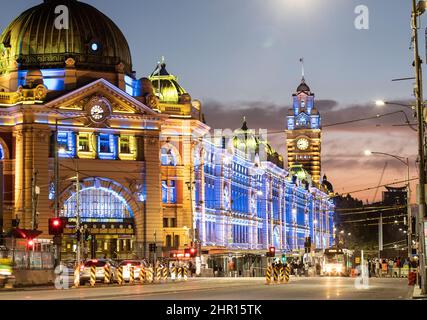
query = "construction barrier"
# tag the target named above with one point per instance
(165, 274)
(150, 275)
(276, 274)
(173, 273)
(282, 274)
(77, 277)
(131, 275)
(185, 273)
(287, 273)
(268, 276)
(92, 276)
(120, 276)
(180, 272)
(142, 275)
(107, 274)
(158, 274)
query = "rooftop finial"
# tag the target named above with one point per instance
(302, 69)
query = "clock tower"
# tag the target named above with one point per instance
(304, 134)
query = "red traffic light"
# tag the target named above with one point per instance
(272, 250)
(30, 244)
(56, 226)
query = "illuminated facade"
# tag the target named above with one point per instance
(149, 171)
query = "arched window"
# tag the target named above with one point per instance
(1, 152)
(98, 203)
(169, 155)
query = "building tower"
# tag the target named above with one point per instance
(304, 135)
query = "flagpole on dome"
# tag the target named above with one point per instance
(302, 69)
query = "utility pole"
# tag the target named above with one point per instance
(409, 211)
(416, 12)
(34, 201)
(78, 253)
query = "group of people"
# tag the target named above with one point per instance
(385, 267)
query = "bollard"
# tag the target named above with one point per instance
(77, 277)
(276, 274)
(131, 275)
(165, 274)
(173, 273)
(107, 274)
(287, 273)
(142, 275)
(92, 276)
(120, 276)
(150, 275)
(268, 276)
(158, 274)
(282, 274)
(185, 273)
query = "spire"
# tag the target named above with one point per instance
(245, 124)
(302, 69)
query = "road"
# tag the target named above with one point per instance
(229, 289)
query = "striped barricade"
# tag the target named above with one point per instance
(268, 276)
(165, 274)
(185, 273)
(142, 276)
(180, 271)
(158, 274)
(131, 275)
(276, 274)
(93, 275)
(287, 274)
(120, 276)
(107, 274)
(173, 274)
(282, 274)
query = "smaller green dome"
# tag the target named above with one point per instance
(167, 88)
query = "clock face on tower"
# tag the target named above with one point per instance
(303, 144)
(97, 113)
(98, 109)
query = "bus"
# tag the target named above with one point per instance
(336, 262)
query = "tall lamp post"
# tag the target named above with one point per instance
(405, 161)
(417, 10)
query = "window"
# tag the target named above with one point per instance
(104, 143)
(125, 145)
(169, 156)
(63, 144)
(98, 203)
(169, 192)
(176, 242)
(84, 143)
(168, 241)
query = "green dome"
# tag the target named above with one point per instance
(167, 87)
(92, 40)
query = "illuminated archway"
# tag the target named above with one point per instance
(97, 203)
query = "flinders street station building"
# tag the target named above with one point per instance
(134, 159)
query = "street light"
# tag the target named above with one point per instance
(382, 103)
(405, 161)
(417, 10)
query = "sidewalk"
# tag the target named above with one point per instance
(417, 293)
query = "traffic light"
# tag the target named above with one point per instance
(271, 252)
(30, 244)
(283, 258)
(56, 226)
(193, 252)
(152, 247)
(307, 245)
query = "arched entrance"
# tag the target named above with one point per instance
(106, 212)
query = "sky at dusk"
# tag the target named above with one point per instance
(241, 58)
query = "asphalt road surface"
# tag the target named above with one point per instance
(230, 289)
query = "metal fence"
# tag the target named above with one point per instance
(31, 260)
